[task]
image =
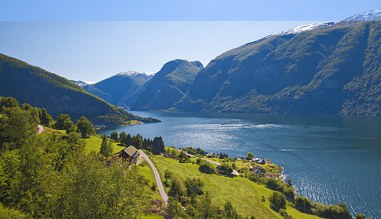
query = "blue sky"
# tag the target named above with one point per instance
(92, 40)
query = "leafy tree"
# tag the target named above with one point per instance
(229, 211)
(277, 201)
(303, 204)
(106, 149)
(33, 112)
(85, 127)
(8, 102)
(167, 175)
(360, 216)
(183, 157)
(194, 186)
(206, 167)
(339, 211)
(177, 189)
(64, 122)
(249, 156)
(114, 136)
(175, 209)
(225, 169)
(17, 128)
(45, 118)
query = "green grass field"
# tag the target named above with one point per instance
(93, 143)
(245, 195)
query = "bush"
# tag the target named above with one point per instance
(194, 186)
(206, 167)
(225, 169)
(277, 201)
(183, 157)
(303, 204)
(332, 212)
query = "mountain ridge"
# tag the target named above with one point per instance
(34, 85)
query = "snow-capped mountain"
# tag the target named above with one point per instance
(303, 28)
(133, 73)
(372, 15)
(80, 83)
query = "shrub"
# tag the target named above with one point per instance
(303, 204)
(225, 169)
(277, 201)
(206, 167)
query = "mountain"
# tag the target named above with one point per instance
(33, 85)
(79, 83)
(326, 68)
(372, 15)
(120, 89)
(167, 86)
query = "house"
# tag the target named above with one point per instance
(130, 153)
(259, 170)
(259, 160)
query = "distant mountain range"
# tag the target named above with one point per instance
(329, 68)
(317, 68)
(168, 86)
(33, 85)
(121, 89)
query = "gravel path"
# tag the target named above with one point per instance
(162, 192)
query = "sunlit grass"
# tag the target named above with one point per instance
(244, 194)
(93, 143)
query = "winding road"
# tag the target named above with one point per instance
(160, 186)
(235, 172)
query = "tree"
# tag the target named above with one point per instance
(206, 167)
(8, 102)
(114, 136)
(277, 201)
(303, 204)
(158, 145)
(183, 157)
(229, 211)
(64, 122)
(175, 209)
(249, 156)
(225, 169)
(45, 118)
(167, 175)
(194, 186)
(106, 149)
(360, 216)
(17, 128)
(137, 141)
(125, 138)
(177, 189)
(85, 127)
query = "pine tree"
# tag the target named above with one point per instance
(106, 149)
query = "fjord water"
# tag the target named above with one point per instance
(329, 158)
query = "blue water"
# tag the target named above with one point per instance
(330, 159)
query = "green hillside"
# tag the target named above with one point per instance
(58, 95)
(167, 86)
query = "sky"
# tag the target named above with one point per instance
(92, 40)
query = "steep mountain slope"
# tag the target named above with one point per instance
(332, 68)
(120, 89)
(58, 95)
(167, 86)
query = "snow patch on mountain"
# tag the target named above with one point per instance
(372, 15)
(303, 28)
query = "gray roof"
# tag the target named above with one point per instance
(130, 150)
